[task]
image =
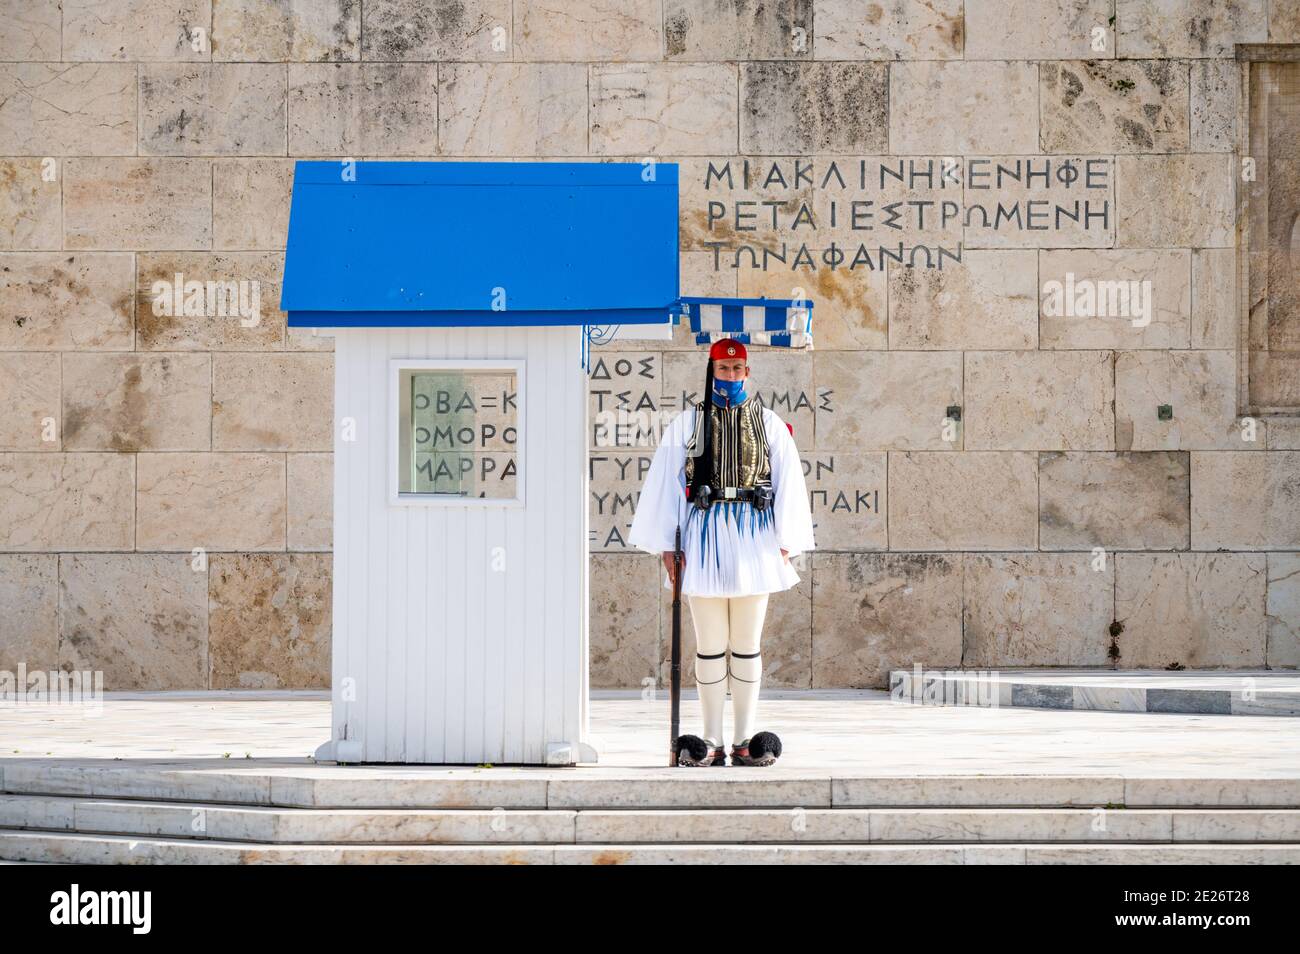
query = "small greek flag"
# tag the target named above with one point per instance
(780, 323)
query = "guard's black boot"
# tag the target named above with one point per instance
(762, 749)
(692, 750)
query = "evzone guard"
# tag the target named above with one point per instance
(742, 510)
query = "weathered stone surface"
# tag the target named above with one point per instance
(240, 312)
(281, 402)
(269, 620)
(455, 30)
(29, 394)
(1200, 386)
(355, 109)
(787, 633)
(111, 402)
(280, 30)
(848, 496)
(1037, 29)
(1188, 27)
(1244, 501)
(1193, 609)
(946, 108)
(136, 30)
(139, 204)
(1282, 609)
(1073, 202)
(851, 306)
(32, 30)
(512, 109)
(624, 635)
(1284, 22)
(214, 501)
(1036, 609)
(1282, 433)
(63, 301)
(212, 109)
(141, 618)
(977, 500)
(31, 205)
(721, 30)
(311, 501)
(1216, 93)
(29, 592)
(734, 200)
(876, 201)
(893, 400)
(796, 108)
(66, 501)
(1214, 298)
(53, 109)
(1039, 400)
(663, 108)
(1178, 201)
(616, 480)
(1115, 106)
(250, 203)
(575, 31)
(906, 30)
(1118, 501)
(877, 612)
(988, 302)
(625, 400)
(1097, 299)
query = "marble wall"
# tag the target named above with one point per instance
(165, 473)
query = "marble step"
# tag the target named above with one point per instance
(560, 826)
(77, 848)
(305, 786)
(1240, 692)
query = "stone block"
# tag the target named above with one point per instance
(1196, 610)
(269, 620)
(881, 611)
(214, 501)
(976, 500)
(137, 204)
(1137, 501)
(140, 618)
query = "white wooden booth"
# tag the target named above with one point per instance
(460, 296)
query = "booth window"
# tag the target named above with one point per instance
(458, 431)
(1268, 264)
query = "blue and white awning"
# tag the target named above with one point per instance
(780, 323)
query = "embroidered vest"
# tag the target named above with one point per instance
(740, 453)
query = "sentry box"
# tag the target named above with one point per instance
(460, 296)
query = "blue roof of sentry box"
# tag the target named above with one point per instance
(441, 243)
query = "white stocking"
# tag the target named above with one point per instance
(746, 669)
(709, 615)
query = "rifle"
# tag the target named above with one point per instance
(675, 682)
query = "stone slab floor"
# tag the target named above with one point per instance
(860, 732)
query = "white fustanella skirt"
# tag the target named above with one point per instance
(731, 549)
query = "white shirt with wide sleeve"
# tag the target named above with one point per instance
(730, 549)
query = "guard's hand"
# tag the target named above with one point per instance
(785, 554)
(668, 565)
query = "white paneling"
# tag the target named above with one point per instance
(453, 660)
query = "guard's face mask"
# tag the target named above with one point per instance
(726, 393)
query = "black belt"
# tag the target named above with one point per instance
(759, 496)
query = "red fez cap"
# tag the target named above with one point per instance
(726, 348)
